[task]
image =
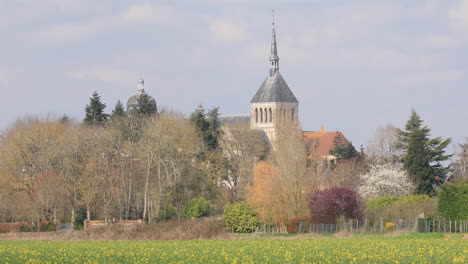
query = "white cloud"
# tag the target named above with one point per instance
(224, 30)
(148, 13)
(459, 17)
(105, 74)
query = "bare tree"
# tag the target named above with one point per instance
(460, 166)
(242, 147)
(382, 148)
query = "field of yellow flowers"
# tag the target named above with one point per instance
(357, 250)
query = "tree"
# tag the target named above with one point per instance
(330, 204)
(382, 148)
(240, 217)
(453, 200)
(242, 147)
(423, 156)
(146, 105)
(343, 150)
(460, 166)
(118, 111)
(285, 178)
(95, 111)
(208, 126)
(385, 180)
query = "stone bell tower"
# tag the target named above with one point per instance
(274, 103)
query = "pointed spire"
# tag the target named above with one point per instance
(274, 59)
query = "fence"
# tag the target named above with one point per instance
(422, 225)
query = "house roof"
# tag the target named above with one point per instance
(321, 142)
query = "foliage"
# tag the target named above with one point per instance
(339, 251)
(453, 200)
(382, 201)
(385, 180)
(197, 207)
(293, 223)
(146, 105)
(389, 226)
(167, 212)
(423, 156)
(342, 149)
(46, 226)
(208, 126)
(95, 111)
(329, 204)
(394, 207)
(241, 217)
(118, 111)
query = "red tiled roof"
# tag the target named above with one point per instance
(321, 142)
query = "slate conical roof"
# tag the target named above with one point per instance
(274, 89)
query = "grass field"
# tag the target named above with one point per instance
(430, 248)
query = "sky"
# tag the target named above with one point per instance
(353, 65)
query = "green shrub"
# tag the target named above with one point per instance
(392, 208)
(25, 228)
(196, 207)
(167, 212)
(383, 201)
(241, 217)
(453, 200)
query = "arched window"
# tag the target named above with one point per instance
(256, 115)
(271, 115)
(292, 114)
(261, 115)
(266, 116)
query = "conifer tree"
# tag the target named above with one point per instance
(343, 151)
(423, 156)
(95, 111)
(146, 106)
(208, 126)
(118, 111)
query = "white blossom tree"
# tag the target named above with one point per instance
(383, 180)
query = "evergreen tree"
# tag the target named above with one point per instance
(118, 111)
(423, 156)
(343, 151)
(208, 126)
(146, 106)
(95, 111)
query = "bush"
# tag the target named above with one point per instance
(167, 212)
(45, 226)
(383, 201)
(196, 207)
(389, 226)
(293, 223)
(241, 217)
(394, 208)
(453, 200)
(25, 228)
(329, 204)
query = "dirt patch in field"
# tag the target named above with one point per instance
(183, 230)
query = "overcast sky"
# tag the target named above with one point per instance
(351, 64)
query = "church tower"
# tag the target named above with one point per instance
(274, 103)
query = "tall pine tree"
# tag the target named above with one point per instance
(118, 111)
(95, 111)
(423, 156)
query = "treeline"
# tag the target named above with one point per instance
(137, 165)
